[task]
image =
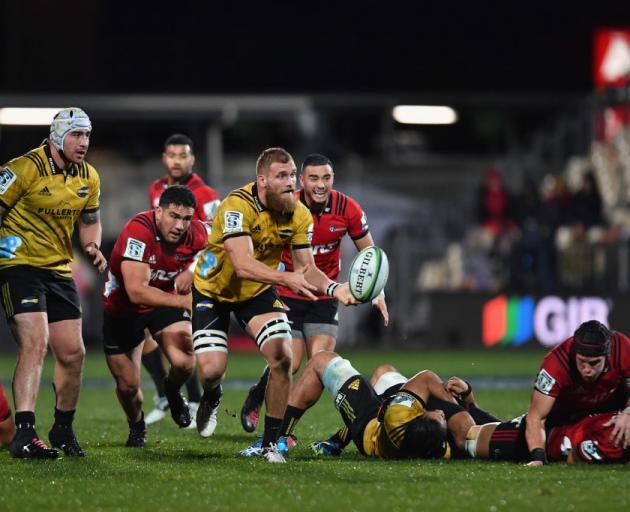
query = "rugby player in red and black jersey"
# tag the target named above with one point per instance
(144, 291)
(587, 373)
(178, 159)
(314, 324)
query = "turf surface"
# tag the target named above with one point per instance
(181, 471)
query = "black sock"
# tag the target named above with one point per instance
(137, 425)
(272, 429)
(341, 437)
(154, 365)
(169, 386)
(193, 387)
(480, 416)
(25, 420)
(213, 396)
(291, 417)
(258, 391)
(64, 418)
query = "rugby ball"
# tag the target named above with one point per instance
(369, 271)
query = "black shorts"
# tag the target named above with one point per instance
(358, 404)
(312, 317)
(122, 334)
(27, 289)
(210, 313)
(508, 441)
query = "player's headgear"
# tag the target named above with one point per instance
(66, 121)
(592, 339)
(425, 438)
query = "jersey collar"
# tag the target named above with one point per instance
(327, 208)
(72, 168)
(261, 207)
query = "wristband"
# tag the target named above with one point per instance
(539, 455)
(468, 391)
(89, 244)
(330, 290)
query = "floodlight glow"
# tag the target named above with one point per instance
(424, 114)
(27, 116)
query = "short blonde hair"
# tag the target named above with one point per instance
(270, 156)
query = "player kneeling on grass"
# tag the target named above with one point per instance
(148, 288)
(399, 427)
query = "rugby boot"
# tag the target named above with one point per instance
(137, 435)
(272, 455)
(326, 448)
(63, 438)
(159, 411)
(254, 450)
(179, 408)
(250, 412)
(26, 445)
(207, 416)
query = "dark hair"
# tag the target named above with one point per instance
(425, 438)
(178, 195)
(592, 339)
(179, 139)
(315, 159)
(270, 156)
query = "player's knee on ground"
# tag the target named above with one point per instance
(425, 438)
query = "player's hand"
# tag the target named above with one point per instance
(379, 303)
(343, 295)
(183, 282)
(297, 283)
(94, 253)
(456, 386)
(621, 429)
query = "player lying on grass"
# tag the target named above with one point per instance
(396, 424)
(588, 440)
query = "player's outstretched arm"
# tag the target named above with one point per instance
(303, 261)
(539, 408)
(90, 232)
(136, 278)
(240, 250)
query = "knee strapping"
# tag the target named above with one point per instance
(210, 340)
(273, 329)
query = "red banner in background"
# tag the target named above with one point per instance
(611, 57)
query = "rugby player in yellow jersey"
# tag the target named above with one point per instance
(388, 416)
(235, 273)
(43, 194)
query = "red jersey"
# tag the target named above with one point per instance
(207, 198)
(5, 410)
(588, 439)
(558, 377)
(140, 240)
(342, 215)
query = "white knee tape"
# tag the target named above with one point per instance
(275, 328)
(387, 380)
(210, 340)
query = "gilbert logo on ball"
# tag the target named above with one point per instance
(369, 271)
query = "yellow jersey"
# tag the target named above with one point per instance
(384, 438)
(242, 213)
(44, 203)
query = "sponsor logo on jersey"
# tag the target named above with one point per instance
(152, 259)
(334, 229)
(186, 315)
(278, 304)
(544, 382)
(162, 275)
(338, 399)
(590, 450)
(83, 191)
(309, 233)
(7, 177)
(233, 222)
(45, 192)
(256, 228)
(209, 209)
(9, 245)
(135, 249)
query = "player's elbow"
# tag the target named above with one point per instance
(135, 295)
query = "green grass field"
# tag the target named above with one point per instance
(182, 471)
